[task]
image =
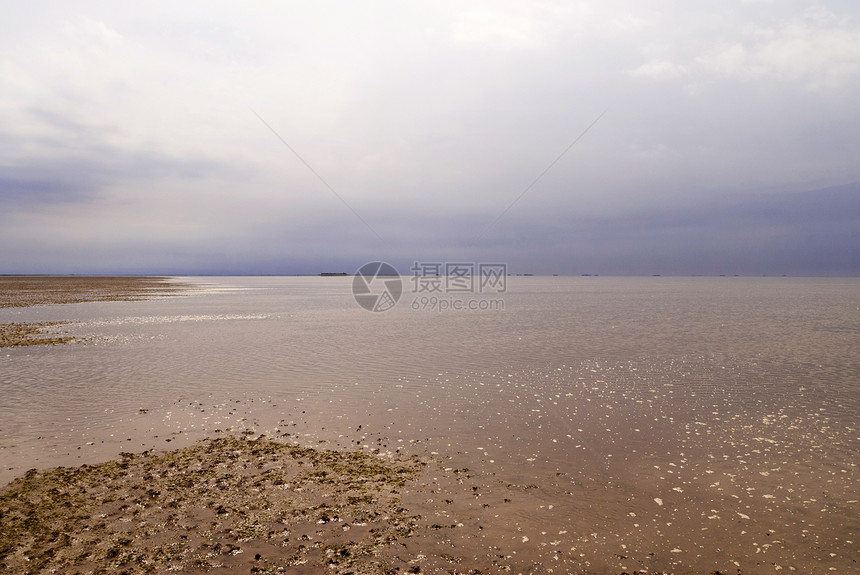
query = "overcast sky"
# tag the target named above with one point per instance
(141, 137)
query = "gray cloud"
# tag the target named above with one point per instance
(130, 145)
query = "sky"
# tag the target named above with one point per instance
(612, 137)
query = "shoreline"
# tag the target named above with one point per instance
(31, 291)
(28, 291)
(290, 502)
(239, 503)
(259, 505)
(669, 464)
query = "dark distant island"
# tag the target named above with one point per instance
(331, 274)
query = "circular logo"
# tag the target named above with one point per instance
(376, 286)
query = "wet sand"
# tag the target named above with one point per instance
(27, 291)
(426, 509)
(246, 504)
(229, 504)
(22, 334)
(697, 464)
(249, 502)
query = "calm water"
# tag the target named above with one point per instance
(660, 423)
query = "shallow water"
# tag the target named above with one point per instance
(679, 424)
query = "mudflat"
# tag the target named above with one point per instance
(235, 503)
(27, 291)
(583, 430)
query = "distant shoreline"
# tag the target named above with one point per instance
(146, 276)
(30, 291)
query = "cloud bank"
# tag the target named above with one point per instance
(132, 144)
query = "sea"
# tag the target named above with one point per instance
(677, 424)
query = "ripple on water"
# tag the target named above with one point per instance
(705, 431)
